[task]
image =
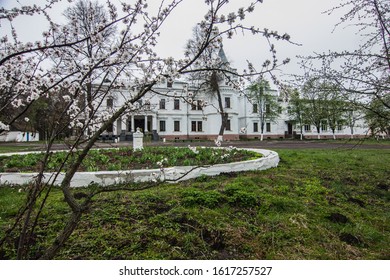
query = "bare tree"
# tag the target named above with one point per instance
(365, 71)
(84, 20)
(265, 103)
(219, 71)
(209, 82)
(297, 108)
(377, 119)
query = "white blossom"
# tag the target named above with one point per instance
(67, 98)
(193, 149)
(4, 126)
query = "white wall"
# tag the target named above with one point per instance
(19, 136)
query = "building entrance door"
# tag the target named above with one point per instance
(290, 128)
(289, 132)
(139, 123)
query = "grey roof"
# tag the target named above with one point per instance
(222, 55)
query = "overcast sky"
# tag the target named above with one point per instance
(303, 20)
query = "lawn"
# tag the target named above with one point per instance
(10, 148)
(318, 204)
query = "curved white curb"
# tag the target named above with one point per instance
(172, 174)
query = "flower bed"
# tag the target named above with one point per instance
(127, 159)
(258, 160)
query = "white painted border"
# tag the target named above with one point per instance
(172, 174)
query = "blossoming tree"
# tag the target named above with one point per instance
(81, 62)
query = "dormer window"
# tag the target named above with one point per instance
(227, 102)
(110, 103)
(162, 104)
(176, 104)
(255, 108)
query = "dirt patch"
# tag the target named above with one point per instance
(350, 239)
(357, 201)
(215, 238)
(338, 218)
(383, 186)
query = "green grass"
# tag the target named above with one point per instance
(318, 204)
(9, 148)
(356, 141)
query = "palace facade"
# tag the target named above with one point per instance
(172, 111)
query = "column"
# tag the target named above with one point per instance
(146, 124)
(154, 123)
(118, 129)
(118, 123)
(114, 131)
(114, 128)
(123, 123)
(132, 123)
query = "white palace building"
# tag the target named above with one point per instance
(171, 111)
(164, 116)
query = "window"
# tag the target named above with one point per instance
(307, 127)
(196, 105)
(162, 104)
(324, 126)
(162, 126)
(228, 125)
(268, 109)
(176, 104)
(147, 104)
(176, 126)
(110, 103)
(197, 126)
(200, 126)
(255, 127)
(268, 127)
(169, 83)
(254, 108)
(340, 126)
(227, 102)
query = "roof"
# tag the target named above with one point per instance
(222, 55)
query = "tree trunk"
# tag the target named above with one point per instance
(318, 132)
(224, 116)
(262, 130)
(77, 209)
(63, 236)
(334, 133)
(224, 119)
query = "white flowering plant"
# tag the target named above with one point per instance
(79, 63)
